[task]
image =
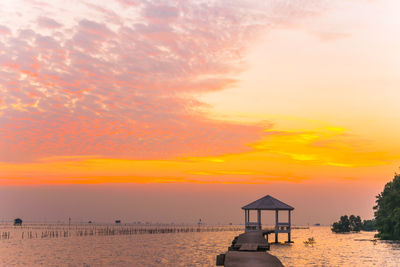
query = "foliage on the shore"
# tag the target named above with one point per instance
(369, 225)
(352, 224)
(347, 224)
(387, 210)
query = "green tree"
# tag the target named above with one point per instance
(347, 224)
(368, 225)
(355, 223)
(342, 226)
(387, 210)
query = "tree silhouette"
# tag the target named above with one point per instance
(387, 210)
(342, 226)
(347, 224)
(355, 223)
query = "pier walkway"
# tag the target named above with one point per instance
(249, 249)
(253, 259)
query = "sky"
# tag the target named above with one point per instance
(171, 111)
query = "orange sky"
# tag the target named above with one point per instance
(200, 94)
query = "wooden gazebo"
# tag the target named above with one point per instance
(268, 203)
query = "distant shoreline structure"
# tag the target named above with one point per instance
(37, 231)
(143, 224)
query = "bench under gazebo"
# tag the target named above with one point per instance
(268, 203)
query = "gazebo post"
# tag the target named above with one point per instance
(290, 227)
(276, 225)
(245, 218)
(259, 219)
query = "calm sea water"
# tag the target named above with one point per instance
(188, 249)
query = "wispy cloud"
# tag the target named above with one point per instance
(118, 79)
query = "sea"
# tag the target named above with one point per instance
(130, 245)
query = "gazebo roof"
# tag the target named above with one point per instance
(267, 203)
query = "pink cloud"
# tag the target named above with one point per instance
(161, 11)
(128, 2)
(4, 30)
(125, 89)
(48, 23)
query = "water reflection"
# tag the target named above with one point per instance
(354, 249)
(193, 249)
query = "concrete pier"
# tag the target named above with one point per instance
(249, 249)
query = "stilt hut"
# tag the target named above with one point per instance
(17, 221)
(268, 203)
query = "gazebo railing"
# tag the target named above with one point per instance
(252, 226)
(282, 227)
